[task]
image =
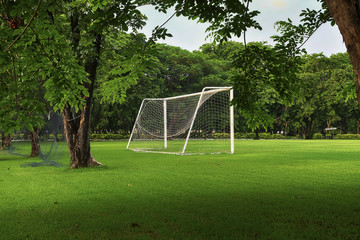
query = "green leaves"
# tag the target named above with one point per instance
(41, 71)
(127, 57)
(263, 77)
(274, 69)
(160, 33)
(227, 18)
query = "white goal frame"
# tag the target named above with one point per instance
(205, 89)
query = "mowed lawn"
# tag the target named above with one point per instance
(268, 189)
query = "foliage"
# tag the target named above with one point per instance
(347, 136)
(173, 71)
(319, 97)
(126, 57)
(269, 74)
(239, 135)
(256, 82)
(109, 136)
(269, 88)
(54, 75)
(226, 18)
(317, 136)
(318, 104)
(68, 37)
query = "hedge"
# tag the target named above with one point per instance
(121, 136)
(317, 136)
(347, 136)
(261, 135)
(109, 136)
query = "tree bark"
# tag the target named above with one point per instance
(35, 143)
(78, 139)
(5, 141)
(307, 128)
(77, 126)
(346, 14)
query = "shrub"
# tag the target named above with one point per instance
(347, 136)
(317, 136)
(278, 136)
(109, 136)
(238, 135)
(265, 135)
(220, 135)
(271, 136)
(244, 135)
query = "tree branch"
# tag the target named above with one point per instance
(303, 43)
(247, 8)
(164, 23)
(26, 27)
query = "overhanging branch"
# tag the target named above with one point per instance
(303, 43)
(26, 27)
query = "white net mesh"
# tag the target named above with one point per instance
(206, 115)
(53, 146)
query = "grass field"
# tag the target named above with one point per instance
(271, 189)
(198, 146)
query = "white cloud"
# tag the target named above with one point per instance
(278, 3)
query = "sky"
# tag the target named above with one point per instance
(190, 35)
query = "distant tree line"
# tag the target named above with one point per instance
(322, 96)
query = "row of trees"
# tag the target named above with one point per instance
(324, 95)
(51, 54)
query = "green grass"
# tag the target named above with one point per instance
(176, 146)
(271, 189)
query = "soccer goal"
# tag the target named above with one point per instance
(196, 123)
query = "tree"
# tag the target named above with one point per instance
(289, 45)
(21, 94)
(312, 103)
(173, 71)
(5, 140)
(346, 14)
(320, 101)
(70, 37)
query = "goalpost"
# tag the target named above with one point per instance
(196, 123)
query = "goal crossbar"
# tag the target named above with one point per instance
(218, 89)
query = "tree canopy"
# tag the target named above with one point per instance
(71, 53)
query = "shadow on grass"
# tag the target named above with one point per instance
(185, 216)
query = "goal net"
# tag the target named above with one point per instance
(52, 142)
(196, 123)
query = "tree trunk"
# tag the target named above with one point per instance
(257, 137)
(346, 14)
(341, 128)
(78, 139)
(307, 128)
(328, 123)
(5, 141)
(77, 126)
(35, 143)
(286, 125)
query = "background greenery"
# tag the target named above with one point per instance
(323, 96)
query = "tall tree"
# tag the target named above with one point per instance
(21, 96)
(347, 17)
(70, 37)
